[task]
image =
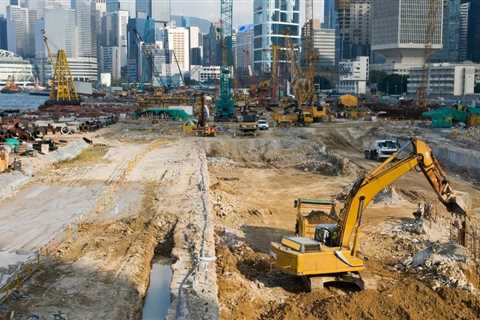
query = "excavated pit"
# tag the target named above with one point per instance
(297, 152)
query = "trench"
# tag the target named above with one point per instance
(157, 299)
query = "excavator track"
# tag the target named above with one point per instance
(352, 279)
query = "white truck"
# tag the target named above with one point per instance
(380, 150)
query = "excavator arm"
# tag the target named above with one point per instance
(367, 187)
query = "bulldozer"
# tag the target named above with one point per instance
(326, 251)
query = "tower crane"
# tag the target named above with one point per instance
(225, 106)
(62, 90)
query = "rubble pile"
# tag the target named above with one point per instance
(443, 264)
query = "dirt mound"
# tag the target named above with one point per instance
(281, 152)
(408, 299)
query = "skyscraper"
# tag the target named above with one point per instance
(463, 32)
(114, 32)
(85, 19)
(451, 33)
(473, 46)
(3, 7)
(60, 30)
(330, 14)
(20, 23)
(399, 31)
(141, 32)
(275, 22)
(158, 10)
(3, 33)
(122, 5)
(353, 28)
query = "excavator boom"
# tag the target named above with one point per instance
(368, 186)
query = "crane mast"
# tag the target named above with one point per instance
(225, 106)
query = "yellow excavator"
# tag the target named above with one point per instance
(326, 252)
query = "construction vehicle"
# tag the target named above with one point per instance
(248, 124)
(331, 254)
(297, 118)
(380, 150)
(319, 114)
(200, 127)
(62, 91)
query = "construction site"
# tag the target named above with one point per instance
(181, 203)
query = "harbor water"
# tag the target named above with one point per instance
(21, 101)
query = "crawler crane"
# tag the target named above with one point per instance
(327, 252)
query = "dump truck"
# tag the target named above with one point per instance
(248, 125)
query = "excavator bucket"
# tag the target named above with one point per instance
(459, 204)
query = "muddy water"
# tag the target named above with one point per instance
(157, 300)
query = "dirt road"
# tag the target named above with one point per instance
(111, 210)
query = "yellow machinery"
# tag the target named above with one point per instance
(302, 118)
(200, 127)
(62, 90)
(331, 254)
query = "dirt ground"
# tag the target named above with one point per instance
(253, 189)
(99, 219)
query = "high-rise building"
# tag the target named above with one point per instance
(114, 33)
(353, 28)
(85, 19)
(122, 5)
(323, 43)
(179, 43)
(399, 32)
(275, 23)
(184, 21)
(158, 10)
(473, 41)
(141, 32)
(3, 7)
(451, 33)
(196, 45)
(60, 29)
(244, 52)
(3, 33)
(330, 14)
(463, 32)
(20, 38)
(212, 55)
(110, 62)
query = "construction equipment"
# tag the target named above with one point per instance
(63, 91)
(430, 29)
(331, 254)
(248, 124)
(225, 106)
(201, 127)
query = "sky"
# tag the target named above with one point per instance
(210, 9)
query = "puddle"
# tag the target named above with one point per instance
(157, 300)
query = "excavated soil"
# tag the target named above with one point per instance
(253, 185)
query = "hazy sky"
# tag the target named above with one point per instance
(210, 9)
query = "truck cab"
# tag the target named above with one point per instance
(380, 150)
